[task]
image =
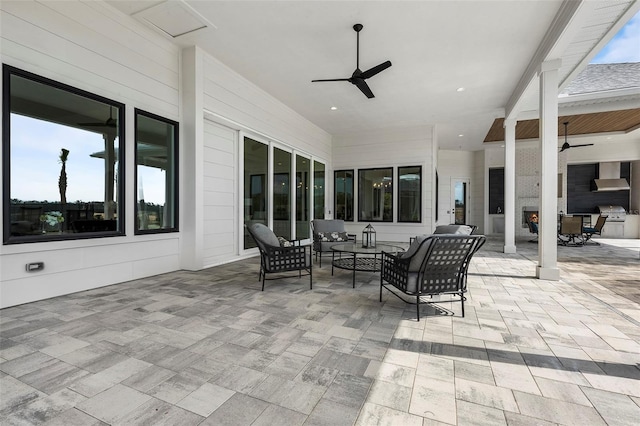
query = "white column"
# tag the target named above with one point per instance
(509, 185)
(191, 156)
(548, 212)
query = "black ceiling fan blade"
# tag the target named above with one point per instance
(332, 79)
(375, 70)
(364, 88)
(584, 144)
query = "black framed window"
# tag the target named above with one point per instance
(63, 153)
(375, 195)
(343, 186)
(410, 194)
(156, 173)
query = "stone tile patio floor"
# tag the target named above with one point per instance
(208, 348)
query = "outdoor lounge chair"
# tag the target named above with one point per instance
(432, 266)
(275, 258)
(589, 232)
(328, 232)
(533, 228)
(571, 231)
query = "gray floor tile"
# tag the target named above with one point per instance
(239, 410)
(179, 347)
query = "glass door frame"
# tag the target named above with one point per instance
(466, 182)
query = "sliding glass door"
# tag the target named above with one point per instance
(256, 169)
(303, 196)
(282, 193)
(318, 190)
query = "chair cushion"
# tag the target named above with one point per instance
(265, 235)
(589, 230)
(453, 229)
(284, 242)
(417, 251)
(331, 236)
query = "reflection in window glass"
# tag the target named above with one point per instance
(62, 157)
(256, 167)
(156, 155)
(375, 195)
(318, 190)
(281, 193)
(303, 196)
(410, 194)
(343, 184)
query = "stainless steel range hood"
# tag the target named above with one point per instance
(610, 179)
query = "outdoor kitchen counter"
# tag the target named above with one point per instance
(630, 228)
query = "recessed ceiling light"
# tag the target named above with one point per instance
(333, 108)
(460, 89)
(460, 135)
(608, 138)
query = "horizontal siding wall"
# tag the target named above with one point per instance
(91, 46)
(410, 146)
(231, 97)
(220, 201)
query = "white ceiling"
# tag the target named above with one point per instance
(435, 47)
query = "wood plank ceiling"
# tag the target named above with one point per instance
(580, 124)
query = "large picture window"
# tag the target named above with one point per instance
(156, 173)
(62, 159)
(410, 194)
(343, 184)
(375, 195)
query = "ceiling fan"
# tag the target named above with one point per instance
(566, 145)
(109, 122)
(358, 77)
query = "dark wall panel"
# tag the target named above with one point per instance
(496, 190)
(580, 199)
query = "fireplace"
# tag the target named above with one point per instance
(529, 214)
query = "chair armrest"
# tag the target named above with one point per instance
(353, 237)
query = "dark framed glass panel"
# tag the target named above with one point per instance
(282, 193)
(256, 167)
(375, 195)
(63, 153)
(343, 187)
(303, 196)
(156, 173)
(410, 194)
(318, 190)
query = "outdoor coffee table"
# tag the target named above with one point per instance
(366, 259)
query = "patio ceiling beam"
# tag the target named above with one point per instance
(565, 24)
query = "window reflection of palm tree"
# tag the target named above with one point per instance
(62, 180)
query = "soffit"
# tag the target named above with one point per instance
(624, 121)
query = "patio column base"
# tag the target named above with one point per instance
(551, 274)
(509, 249)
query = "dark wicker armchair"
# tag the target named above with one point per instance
(276, 259)
(433, 265)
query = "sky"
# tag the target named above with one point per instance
(624, 46)
(35, 165)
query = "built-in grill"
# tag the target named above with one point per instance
(613, 213)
